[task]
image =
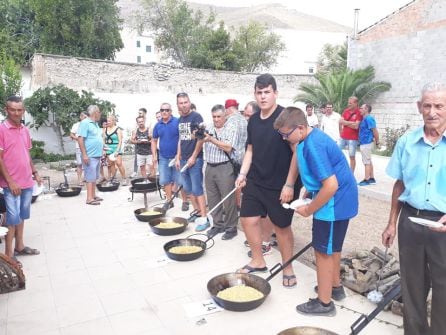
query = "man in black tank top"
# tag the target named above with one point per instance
(141, 138)
(268, 180)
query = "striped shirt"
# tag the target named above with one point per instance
(241, 128)
(227, 134)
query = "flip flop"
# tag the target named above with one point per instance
(93, 202)
(251, 269)
(287, 279)
(26, 251)
(97, 199)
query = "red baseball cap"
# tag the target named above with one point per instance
(231, 103)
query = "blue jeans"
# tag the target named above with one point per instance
(192, 178)
(168, 175)
(18, 208)
(352, 145)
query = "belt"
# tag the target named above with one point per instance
(422, 212)
(217, 164)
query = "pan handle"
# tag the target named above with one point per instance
(206, 241)
(274, 271)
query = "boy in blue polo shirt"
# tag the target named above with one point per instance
(331, 185)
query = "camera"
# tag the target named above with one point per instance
(200, 130)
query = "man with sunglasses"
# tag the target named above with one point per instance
(268, 179)
(190, 153)
(166, 131)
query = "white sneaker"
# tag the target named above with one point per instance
(133, 175)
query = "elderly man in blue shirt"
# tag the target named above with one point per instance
(418, 164)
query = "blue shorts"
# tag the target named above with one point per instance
(168, 175)
(352, 145)
(18, 208)
(91, 171)
(328, 236)
(192, 178)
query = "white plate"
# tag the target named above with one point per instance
(427, 223)
(3, 231)
(297, 203)
(37, 189)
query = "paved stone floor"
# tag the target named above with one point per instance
(101, 271)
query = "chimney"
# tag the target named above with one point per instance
(355, 24)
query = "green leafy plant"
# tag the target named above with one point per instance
(38, 153)
(337, 87)
(391, 136)
(59, 107)
(10, 79)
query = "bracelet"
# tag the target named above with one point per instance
(289, 186)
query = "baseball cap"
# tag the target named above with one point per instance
(231, 103)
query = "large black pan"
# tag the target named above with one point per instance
(226, 280)
(188, 242)
(70, 191)
(147, 218)
(145, 184)
(168, 232)
(306, 331)
(108, 186)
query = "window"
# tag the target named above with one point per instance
(148, 48)
(311, 70)
(138, 44)
(138, 59)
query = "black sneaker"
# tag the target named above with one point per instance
(185, 206)
(337, 293)
(214, 231)
(266, 250)
(372, 181)
(229, 235)
(315, 307)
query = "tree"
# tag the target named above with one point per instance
(59, 107)
(337, 87)
(10, 80)
(256, 48)
(192, 40)
(79, 28)
(18, 38)
(332, 58)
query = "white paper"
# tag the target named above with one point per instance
(199, 308)
(427, 223)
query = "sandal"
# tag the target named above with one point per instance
(249, 269)
(26, 251)
(93, 202)
(289, 281)
(97, 199)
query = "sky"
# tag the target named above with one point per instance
(340, 11)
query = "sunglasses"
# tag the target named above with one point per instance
(167, 110)
(288, 134)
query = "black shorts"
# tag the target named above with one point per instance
(259, 201)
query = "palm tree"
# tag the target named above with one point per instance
(337, 87)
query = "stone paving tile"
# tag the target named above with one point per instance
(92, 327)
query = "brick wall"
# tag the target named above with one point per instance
(406, 49)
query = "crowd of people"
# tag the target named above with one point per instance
(269, 154)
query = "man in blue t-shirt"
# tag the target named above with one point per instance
(92, 146)
(367, 135)
(166, 130)
(332, 187)
(190, 153)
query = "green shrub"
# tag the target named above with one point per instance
(392, 136)
(38, 154)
